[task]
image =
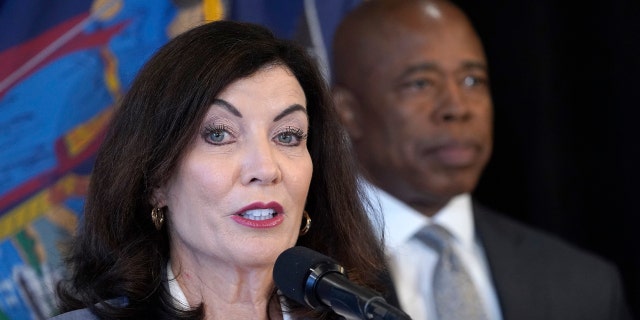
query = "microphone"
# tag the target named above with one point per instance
(315, 280)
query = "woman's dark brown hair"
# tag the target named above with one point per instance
(119, 253)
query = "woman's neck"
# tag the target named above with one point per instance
(226, 292)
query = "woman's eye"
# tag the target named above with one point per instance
(216, 135)
(285, 138)
(291, 136)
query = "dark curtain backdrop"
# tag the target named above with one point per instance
(566, 87)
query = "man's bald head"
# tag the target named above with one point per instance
(362, 38)
(411, 85)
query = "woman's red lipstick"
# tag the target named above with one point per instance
(260, 215)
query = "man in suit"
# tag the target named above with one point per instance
(412, 86)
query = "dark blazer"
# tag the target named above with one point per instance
(538, 276)
(86, 314)
(81, 314)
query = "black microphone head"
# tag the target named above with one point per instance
(295, 273)
(317, 281)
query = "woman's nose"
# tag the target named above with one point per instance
(260, 164)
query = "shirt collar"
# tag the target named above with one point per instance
(401, 221)
(175, 290)
(457, 217)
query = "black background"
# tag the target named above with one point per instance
(566, 88)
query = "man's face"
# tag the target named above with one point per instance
(425, 110)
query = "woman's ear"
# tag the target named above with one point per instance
(158, 197)
(347, 107)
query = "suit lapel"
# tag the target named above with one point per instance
(519, 294)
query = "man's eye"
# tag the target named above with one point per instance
(471, 81)
(420, 83)
(416, 85)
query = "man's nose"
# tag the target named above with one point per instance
(452, 105)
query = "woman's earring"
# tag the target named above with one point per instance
(157, 216)
(307, 224)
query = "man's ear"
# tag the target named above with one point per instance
(347, 107)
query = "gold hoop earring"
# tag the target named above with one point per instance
(307, 225)
(157, 216)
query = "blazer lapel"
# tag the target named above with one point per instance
(518, 292)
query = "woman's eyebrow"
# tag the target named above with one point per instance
(292, 108)
(228, 106)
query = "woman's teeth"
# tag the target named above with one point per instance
(259, 214)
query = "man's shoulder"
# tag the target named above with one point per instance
(522, 256)
(538, 244)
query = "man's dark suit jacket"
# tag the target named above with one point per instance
(537, 276)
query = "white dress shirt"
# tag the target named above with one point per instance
(412, 262)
